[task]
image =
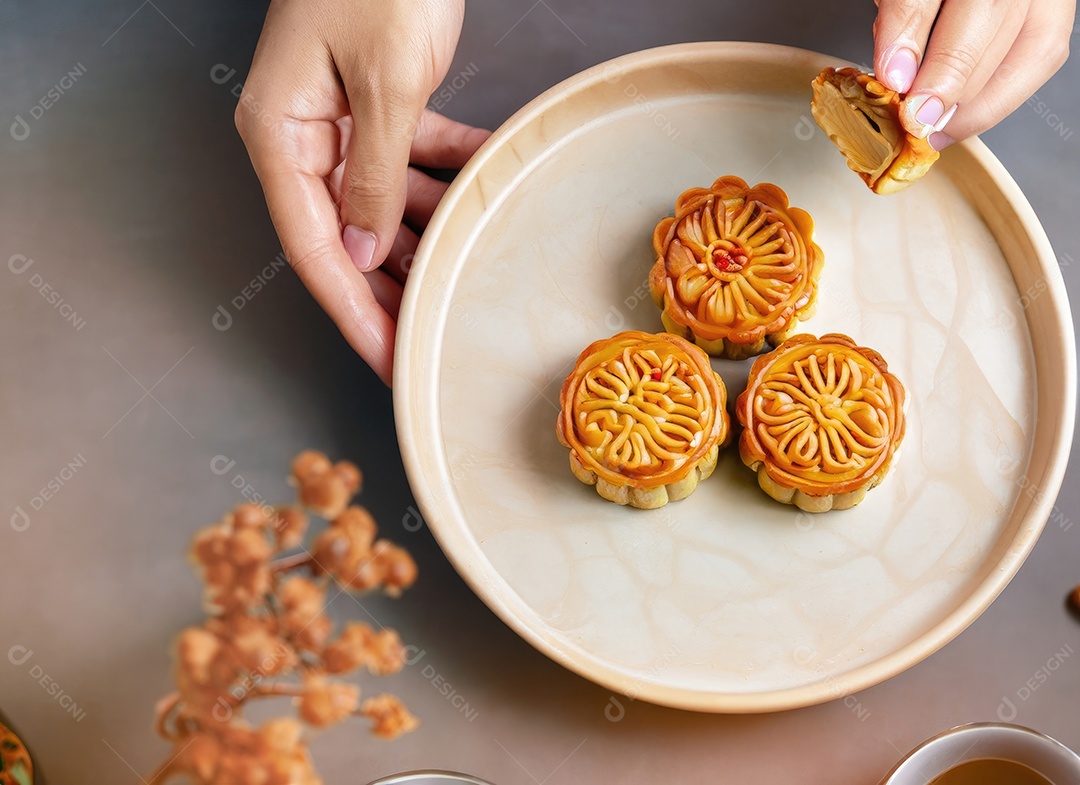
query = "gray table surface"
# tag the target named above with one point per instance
(133, 197)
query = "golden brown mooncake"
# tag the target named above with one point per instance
(823, 419)
(736, 267)
(862, 118)
(644, 416)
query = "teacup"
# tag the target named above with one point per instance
(1045, 756)
(430, 777)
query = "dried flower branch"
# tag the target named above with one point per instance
(267, 634)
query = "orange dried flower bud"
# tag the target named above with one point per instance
(350, 474)
(303, 602)
(366, 575)
(350, 650)
(386, 655)
(296, 768)
(281, 734)
(312, 635)
(248, 547)
(223, 671)
(389, 715)
(290, 526)
(251, 583)
(302, 596)
(196, 649)
(398, 568)
(241, 770)
(250, 516)
(219, 575)
(330, 550)
(209, 546)
(310, 463)
(261, 653)
(327, 703)
(360, 527)
(325, 488)
(325, 494)
(240, 740)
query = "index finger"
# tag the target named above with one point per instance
(306, 220)
(960, 48)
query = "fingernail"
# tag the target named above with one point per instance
(360, 245)
(945, 118)
(930, 111)
(939, 140)
(901, 69)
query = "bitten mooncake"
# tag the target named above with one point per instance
(736, 267)
(644, 417)
(862, 118)
(823, 419)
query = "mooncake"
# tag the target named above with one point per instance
(736, 267)
(822, 421)
(644, 417)
(862, 118)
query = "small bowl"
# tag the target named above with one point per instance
(429, 777)
(981, 740)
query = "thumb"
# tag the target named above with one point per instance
(376, 174)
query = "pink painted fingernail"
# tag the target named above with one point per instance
(945, 118)
(939, 140)
(360, 245)
(901, 69)
(930, 111)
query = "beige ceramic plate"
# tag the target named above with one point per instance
(728, 601)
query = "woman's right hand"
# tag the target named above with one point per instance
(333, 116)
(967, 64)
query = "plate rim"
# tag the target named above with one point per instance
(408, 405)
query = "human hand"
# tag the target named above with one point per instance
(333, 115)
(983, 59)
